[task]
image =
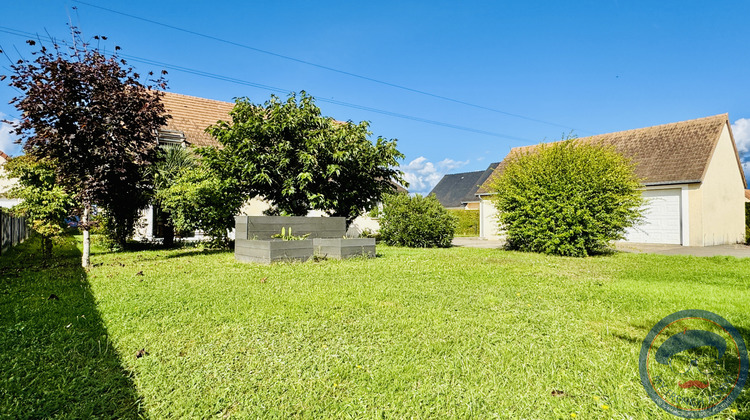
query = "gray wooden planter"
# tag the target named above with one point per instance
(342, 248)
(264, 227)
(270, 250)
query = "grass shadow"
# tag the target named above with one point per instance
(743, 400)
(56, 359)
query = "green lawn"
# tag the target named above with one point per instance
(437, 333)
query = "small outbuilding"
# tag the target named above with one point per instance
(692, 179)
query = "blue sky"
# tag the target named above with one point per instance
(513, 73)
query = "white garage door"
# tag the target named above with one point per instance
(661, 219)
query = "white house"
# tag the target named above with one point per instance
(692, 179)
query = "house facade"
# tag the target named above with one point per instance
(692, 180)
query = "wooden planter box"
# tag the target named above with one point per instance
(342, 248)
(270, 250)
(264, 227)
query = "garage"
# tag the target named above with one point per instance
(662, 221)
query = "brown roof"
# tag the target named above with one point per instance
(192, 115)
(673, 153)
(3, 155)
(747, 195)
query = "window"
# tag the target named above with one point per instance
(172, 138)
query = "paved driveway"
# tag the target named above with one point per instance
(737, 250)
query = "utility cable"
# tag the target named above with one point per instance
(320, 66)
(280, 90)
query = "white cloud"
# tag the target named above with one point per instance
(741, 131)
(422, 175)
(7, 138)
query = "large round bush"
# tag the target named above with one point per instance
(417, 222)
(567, 198)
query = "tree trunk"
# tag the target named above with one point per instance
(46, 247)
(168, 234)
(85, 260)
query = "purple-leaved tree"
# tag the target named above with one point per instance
(90, 114)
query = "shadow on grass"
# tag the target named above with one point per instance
(742, 403)
(56, 359)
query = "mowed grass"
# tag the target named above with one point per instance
(436, 333)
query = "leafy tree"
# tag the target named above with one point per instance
(567, 198)
(298, 160)
(416, 222)
(93, 117)
(199, 199)
(44, 203)
(175, 160)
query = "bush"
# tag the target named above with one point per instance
(417, 222)
(468, 222)
(567, 198)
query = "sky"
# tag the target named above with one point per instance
(457, 83)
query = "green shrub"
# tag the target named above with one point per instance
(417, 222)
(468, 222)
(567, 198)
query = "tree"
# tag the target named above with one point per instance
(567, 198)
(93, 117)
(199, 199)
(44, 203)
(298, 160)
(416, 222)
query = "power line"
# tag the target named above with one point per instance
(229, 79)
(320, 66)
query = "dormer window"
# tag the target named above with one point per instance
(172, 138)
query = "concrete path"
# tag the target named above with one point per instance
(476, 243)
(736, 250)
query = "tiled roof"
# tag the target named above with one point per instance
(747, 195)
(664, 154)
(192, 115)
(3, 155)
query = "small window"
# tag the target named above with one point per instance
(172, 138)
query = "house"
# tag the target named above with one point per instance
(190, 117)
(6, 184)
(692, 179)
(452, 188)
(458, 191)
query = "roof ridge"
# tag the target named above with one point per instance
(196, 97)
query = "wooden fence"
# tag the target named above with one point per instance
(12, 231)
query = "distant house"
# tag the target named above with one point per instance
(458, 191)
(190, 117)
(6, 184)
(692, 178)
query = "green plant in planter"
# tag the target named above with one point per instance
(289, 237)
